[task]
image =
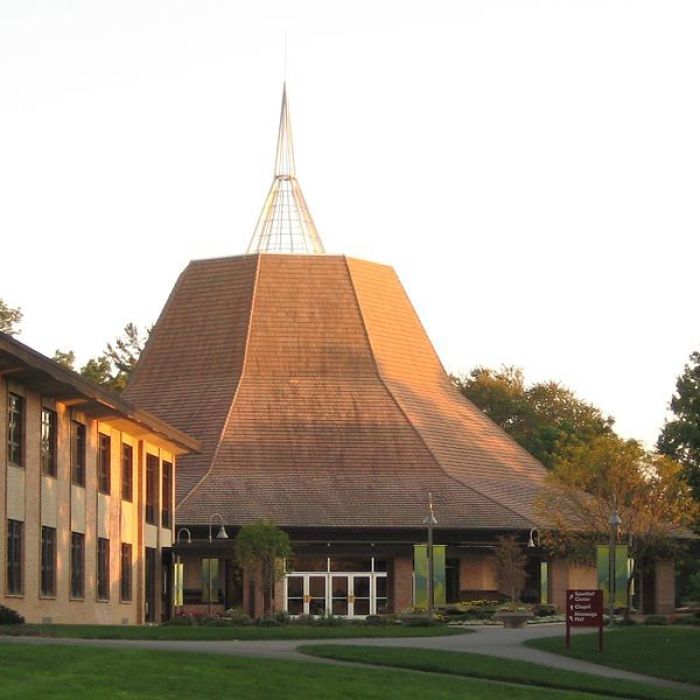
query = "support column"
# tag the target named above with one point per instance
(665, 588)
(402, 592)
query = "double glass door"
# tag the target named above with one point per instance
(349, 595)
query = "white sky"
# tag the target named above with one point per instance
(530, 169)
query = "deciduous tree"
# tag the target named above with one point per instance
(260, 548)
(647, 489)
(9, 319)
(546, 418)
(680, 437)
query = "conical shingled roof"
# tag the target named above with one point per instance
(320, 402)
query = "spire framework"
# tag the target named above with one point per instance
(285, 224)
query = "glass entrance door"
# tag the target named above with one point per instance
(361, 595)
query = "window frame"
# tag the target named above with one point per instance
(151, 500)
(14, 574)
(77, 566)
(78, 452)
(127, 472)
(15, 425)
(104, 463)
(103, 557)
(49, 442)
(126, 588)
(166, 470)
(48, 562)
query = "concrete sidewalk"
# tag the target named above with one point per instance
(490, 641)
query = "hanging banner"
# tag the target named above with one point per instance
(621, 573)
(210, 580)
(544, 581)
(178, 584)
(420, 575)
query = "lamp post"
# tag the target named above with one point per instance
(614, 522)
(178, 573)
(430, 521)
(221, 535)
(531, 543)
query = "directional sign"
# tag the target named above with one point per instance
(584, 608)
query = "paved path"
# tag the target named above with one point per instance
(491, 641)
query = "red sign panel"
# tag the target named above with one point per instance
(584, 608)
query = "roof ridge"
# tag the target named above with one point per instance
(235, 393)
(399, 405)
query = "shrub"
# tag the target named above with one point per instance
(375, 620)
(267, 622)
(237, 617)
(692, 619)
(330, 620)
(655, 620)
(181, 620)
(10, 617)
(544, 610)
(282, 617)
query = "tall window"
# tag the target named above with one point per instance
(125, 587)
(151, 489)
(78, 452)
(167, 495)
(15, 428)
(48, 561)
(102, 569)
(48, 442)
(127, 472)
(77, 565)
(104, 463)
(14, 556)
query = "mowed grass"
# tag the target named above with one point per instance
(214, 632)
(667, 651)
(480, 666)
(60, 672)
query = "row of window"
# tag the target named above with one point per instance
(15, 539)
(49, 449)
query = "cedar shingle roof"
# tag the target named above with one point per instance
(319, 401)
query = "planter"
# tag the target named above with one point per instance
(512, 620)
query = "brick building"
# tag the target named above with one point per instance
(321, 405)
(86, 497)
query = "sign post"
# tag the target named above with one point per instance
(584, 608)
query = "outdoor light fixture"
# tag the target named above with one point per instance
(430, 521)
(221, 535)
(180, 531)
(531, 542)
(614, 521)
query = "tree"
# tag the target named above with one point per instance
(510, 566)
(680, 437)
(113, 367)
(65, 358)
(546, 418)
(260, 548)
(9, 319)
(647, 490)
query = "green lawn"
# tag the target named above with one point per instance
(65, 672)
(480, 666)
(243, 633)
(667, 652)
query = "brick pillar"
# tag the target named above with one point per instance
(253, 600)
(665, 587)
(402, 592)
(558, 582)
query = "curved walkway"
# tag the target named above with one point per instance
(491, 641)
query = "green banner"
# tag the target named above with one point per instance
(420, 574)
(544, 580)
(178, 583)
(210, 580)
(621, 573)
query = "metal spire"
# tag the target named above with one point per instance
(285, 224)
